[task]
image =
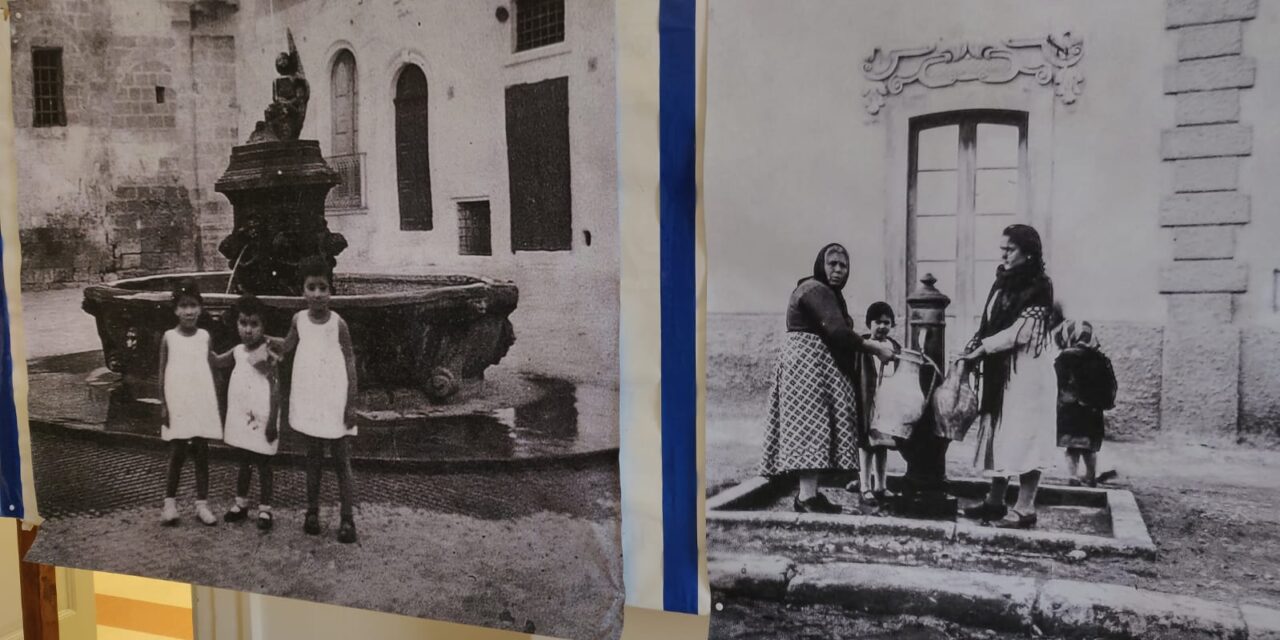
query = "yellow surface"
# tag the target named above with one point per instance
(175, 594)
(10, 595)
(150, 618)
(112, 633)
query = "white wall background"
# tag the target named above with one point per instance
(794, 161)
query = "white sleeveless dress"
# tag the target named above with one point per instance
(249, 403)
(318, 393)
(188, 388)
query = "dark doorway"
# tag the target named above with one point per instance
(538, 166)
(413, 172)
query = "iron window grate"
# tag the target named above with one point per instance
(474, 237)
(46, 72)
(539, 23)
(349, 192)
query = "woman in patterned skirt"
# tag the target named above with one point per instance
(812, 405)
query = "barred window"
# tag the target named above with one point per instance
(349, 192)
(539, 23)
(46, 72)
(474, 238)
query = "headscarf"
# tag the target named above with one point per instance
(1075, 334)
(1015, 290)
(820, 274)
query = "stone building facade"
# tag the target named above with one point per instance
(1135, 136)
(476, 139)
(123, 111)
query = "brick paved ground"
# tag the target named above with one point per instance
(76, 478)
(489, 549)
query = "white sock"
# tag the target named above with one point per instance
(241, 503)
(171, 502)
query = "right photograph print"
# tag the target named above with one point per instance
(993, 317)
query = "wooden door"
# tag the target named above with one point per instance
(413, 170)
(538, 166)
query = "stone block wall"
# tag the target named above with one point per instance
(216, 114)
(150, 229)
(126, 186)
(144, 94)
(1205, 392)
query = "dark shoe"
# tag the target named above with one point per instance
(816, 504)
(312, 524)
(870, 499)
(1108, 476)
(236, 514)
(347, 531)
(1074, 482)
(1017, 520)
(1092, 484)
(986, 511)
(264, 521)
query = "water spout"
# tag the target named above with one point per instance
(231, 280)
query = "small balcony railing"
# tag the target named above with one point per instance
(349, 192)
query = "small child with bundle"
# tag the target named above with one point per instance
(1086, 388)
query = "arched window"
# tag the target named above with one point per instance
(968, 180)
(413, 172)
(343, 82)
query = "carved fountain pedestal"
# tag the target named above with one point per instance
(432, 333)
(277, 190)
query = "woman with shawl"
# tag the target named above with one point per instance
(1016, 433)
(813, 409)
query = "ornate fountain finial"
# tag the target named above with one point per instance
(289, 95)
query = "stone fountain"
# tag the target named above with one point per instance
(431, 335)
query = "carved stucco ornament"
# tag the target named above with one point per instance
(1051, 59)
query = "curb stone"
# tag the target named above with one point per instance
(1260, 622)
(1084, 609)
(758, 576)
(989, 600)
(1062, 608)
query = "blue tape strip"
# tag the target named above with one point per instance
(10, 458)
(678, 186)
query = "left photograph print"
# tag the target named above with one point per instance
(321, 300)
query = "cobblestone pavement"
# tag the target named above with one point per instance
(75, 477)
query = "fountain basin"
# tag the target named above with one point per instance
(434, 334)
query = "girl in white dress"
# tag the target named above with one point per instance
(252, 409)
(322, 391)
(189, 407)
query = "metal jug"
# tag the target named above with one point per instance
(902, 393)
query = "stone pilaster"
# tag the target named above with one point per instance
(1200, 390)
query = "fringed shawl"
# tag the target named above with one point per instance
(1024, 292)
